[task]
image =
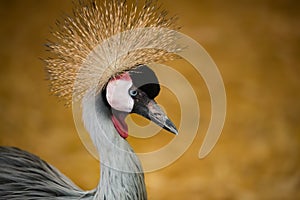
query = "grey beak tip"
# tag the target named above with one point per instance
(171, 127)
(175, 132)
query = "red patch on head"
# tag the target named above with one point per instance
(125, 76)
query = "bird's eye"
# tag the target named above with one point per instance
(133, 93)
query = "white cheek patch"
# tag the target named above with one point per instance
(117, 93)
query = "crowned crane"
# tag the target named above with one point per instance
(107, 96)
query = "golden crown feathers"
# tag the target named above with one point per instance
(104, 38)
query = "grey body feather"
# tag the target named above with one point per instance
(24, 176)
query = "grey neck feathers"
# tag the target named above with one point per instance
(121, 175)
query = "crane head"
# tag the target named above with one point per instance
(134, 92)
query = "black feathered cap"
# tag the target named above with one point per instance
(145, 79)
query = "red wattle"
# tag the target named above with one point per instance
(121, 126)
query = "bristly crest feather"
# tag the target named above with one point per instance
(93, 22)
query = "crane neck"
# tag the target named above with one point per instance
(121, 174)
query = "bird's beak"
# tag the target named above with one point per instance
(150, 110)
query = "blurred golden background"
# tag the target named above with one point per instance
(256, 45)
